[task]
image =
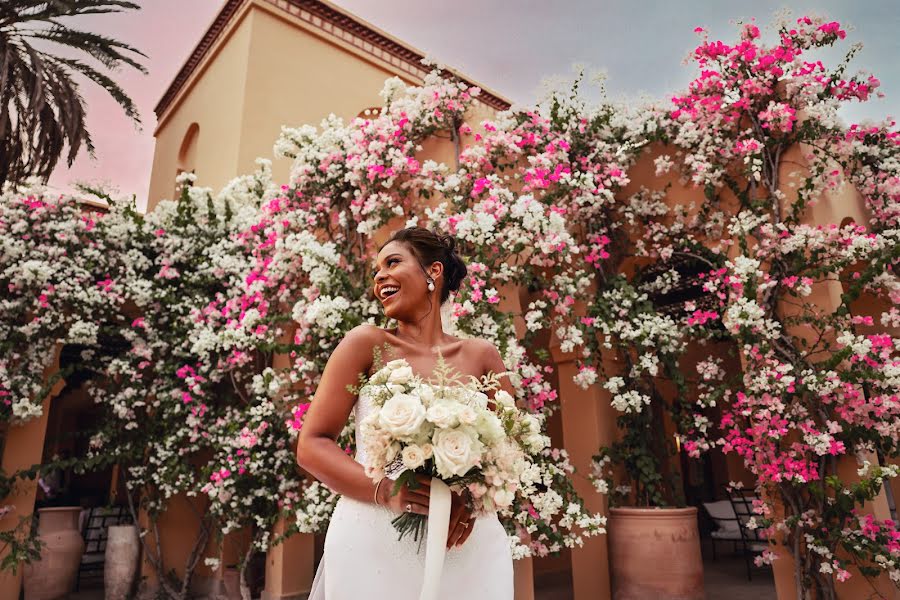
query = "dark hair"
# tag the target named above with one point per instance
(430, 247)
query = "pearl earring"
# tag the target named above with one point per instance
(430, 284)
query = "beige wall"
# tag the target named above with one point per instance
(23, 448)
(295, 77)
(215, 102)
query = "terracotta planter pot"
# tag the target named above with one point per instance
(655, 553)
(53, 576)
(121, 561)
(231, 581)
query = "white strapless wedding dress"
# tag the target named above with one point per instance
(363, 558)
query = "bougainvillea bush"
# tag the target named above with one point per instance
(227, 306)
(52, 253)
(808, 303)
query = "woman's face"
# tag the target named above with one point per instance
(400, 283)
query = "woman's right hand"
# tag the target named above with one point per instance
(409, 500)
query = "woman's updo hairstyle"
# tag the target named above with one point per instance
(430, 247)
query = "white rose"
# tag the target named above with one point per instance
(400, 374)
(503, 398)
(413, 457)
(402, 415)
(480, 399)
(455, 452)
(503, 498)
(426, 393)
(380, 376)
(396, 388)
(489, 427)
(442, 415)
(467, 415)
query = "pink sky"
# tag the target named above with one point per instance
(124, 155)
(508, 46)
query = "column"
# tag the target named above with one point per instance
(523, 579)
(290, 566)
(589, 422)
(24, 447)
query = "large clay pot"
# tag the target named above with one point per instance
(231, 581)
(53, 576)
(121, 561)
(655, 553)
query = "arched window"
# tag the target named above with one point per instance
(187, 154)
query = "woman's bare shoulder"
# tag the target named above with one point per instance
(476, 345)
(357, 348)
(365, 335)
(486, 353)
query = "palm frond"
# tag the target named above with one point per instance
(42, 111)
(21, 11)
(105, 49)
(107, 83)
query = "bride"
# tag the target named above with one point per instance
(415, 272)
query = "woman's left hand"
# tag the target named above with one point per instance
(462, 521)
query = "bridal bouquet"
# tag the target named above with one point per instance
(447, 429)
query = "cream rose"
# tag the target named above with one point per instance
(380, 376)
(480, 399)
(428, 449)
(400, 374)
(490, 427)
(442, 414)
(402, 415)
(426, 393)
(503, 398)
(455, 451)
(413, 456)
(467, 415)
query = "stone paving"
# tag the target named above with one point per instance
(724, 579)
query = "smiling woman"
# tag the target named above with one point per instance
(406, 254)
(413, 269)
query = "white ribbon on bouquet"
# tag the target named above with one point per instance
(436, 539)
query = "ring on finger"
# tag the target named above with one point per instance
(408, 507)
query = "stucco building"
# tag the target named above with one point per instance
(263, 64)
